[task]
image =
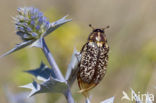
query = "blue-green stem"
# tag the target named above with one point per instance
(56, 70)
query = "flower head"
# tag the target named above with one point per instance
(32, 26)
(30, 23)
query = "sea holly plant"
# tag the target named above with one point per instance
(32, 26)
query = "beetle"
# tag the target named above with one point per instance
(94, 59)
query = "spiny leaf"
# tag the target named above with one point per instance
(72, 68)
(49, 85)
(43, 72)
(17, 47)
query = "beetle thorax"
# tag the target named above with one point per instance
(98, 37)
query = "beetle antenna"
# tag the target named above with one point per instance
(90, 25)
(106, 27)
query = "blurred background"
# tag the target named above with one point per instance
(132, 41)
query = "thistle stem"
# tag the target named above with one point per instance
(52, 61)
(68, 96)
(57, 71)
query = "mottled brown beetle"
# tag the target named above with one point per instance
(93, 63)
